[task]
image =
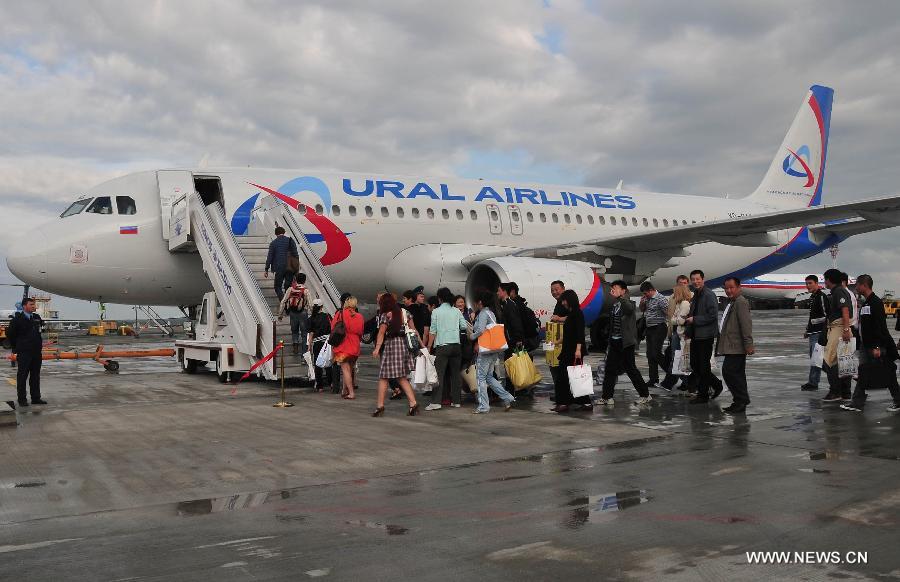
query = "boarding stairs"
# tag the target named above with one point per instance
(235, 266)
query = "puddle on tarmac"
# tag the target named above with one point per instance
(602, 508)
(392, 530)
(30, 484)
(219, 504)
(822, 471)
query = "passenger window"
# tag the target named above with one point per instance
(655, 222)
(646, 223)
(445, 214)
(336, 210)
(126, 205)
(612, 220)
(634, 221)
(369, 212)
(555, 217)
(590, 219)
(102, 205)
(684, 222)
(352, 210)
(320, 209)
(384, 211)
(430, 213)
(578, 218)
(415, 212)
(543, 217)
(665, 222)
(400, 213)
(602, 220)
(567, 218)
(473, 215)
(75, 208)
(459, 214)
(529, 216)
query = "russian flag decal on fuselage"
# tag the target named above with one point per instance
(128, 230)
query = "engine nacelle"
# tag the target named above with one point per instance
(533, 276)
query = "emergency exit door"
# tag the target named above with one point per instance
(493, 213)
(515, 219)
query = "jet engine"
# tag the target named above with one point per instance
(533, 276)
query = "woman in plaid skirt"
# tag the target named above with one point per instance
(390, 346)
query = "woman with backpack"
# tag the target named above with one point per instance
(346, 332)
(296, 303)
(484, 364)
(391, 347)
(319, 330)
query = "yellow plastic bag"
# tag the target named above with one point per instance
(553, 343)
(521, 371)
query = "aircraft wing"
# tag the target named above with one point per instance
(844, 219)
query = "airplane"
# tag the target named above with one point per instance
(398, 232)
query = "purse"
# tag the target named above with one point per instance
(339, 333)
(410, 337)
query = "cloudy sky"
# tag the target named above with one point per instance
(687, 97)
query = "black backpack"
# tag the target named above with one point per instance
(531, 326)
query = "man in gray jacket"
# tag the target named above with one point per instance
(735, 343)
(702, 327)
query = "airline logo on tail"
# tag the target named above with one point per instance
(799, 158)
(337, 245)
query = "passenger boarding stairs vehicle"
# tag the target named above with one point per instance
(237, 324)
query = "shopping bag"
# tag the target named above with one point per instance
(818, 356)
(553, 343)
(521, 371)
(325, 357)
(492, 339)
(425, 372)
(469, 378)
(678, 363)
(848, 362)
(581, 381)
(310, 372)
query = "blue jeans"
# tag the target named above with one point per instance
(484, 373)
(814, 373)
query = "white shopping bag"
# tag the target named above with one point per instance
(425, 372)
(581, 381)
(818, 356)
(310, 372)
(325, 357)
(848, 362)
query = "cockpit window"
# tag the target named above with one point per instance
(76, 207)
(126, 205)
(101, 205)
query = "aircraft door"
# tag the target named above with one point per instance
(493, 213)
(515, 219)
(173, 184)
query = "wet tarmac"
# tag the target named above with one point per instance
(151, 474)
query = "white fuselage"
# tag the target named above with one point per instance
(402, 232)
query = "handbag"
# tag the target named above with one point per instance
(848, 362)
(493, 338)
(521, 371)
(581, 381)
(325, 357)
(339, 333)
(470, 378)
(410, 336)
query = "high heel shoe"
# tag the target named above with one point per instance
(378, 411)
(413, 410)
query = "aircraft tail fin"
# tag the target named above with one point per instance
(794, 179)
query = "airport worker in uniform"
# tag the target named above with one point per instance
(281, 249)
(24, 333)
(840, 315)
(815, 327)
(620, 350)
(879, 354)
(735, 343)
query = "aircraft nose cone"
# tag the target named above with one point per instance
(27, 259)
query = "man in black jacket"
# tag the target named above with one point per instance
(878, 350)
(815, 326)
(702, 328)
(24, 335)
(530, 324)
(512, 325)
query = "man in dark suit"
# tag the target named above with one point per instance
(878, 350)
(24, 334)
(735, 343)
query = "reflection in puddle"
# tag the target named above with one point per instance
(219, 504)
(823, 471)
(392, 530)
(601, 508)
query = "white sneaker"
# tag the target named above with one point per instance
(456, 405)
(605, 401)
(433, 407)
(643, 400)
(851, 408)
(893, 408)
